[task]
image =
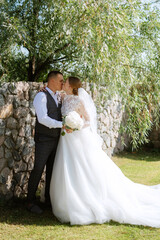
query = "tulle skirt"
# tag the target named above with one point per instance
(87, 187)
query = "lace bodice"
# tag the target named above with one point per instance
(74, 103)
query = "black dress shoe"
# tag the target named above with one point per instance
(33, 208)
(48, 206)
(48, 203)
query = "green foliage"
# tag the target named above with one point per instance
(113, 43)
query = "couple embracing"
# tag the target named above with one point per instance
(83, 185)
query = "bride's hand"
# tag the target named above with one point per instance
(67, 130)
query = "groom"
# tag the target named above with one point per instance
(47, 132)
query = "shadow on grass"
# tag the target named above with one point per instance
(16, 214)
(145, 155)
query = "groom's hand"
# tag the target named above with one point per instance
(67, 129)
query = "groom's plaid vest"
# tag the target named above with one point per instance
(53, 112)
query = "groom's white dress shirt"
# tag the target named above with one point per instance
(40, 105)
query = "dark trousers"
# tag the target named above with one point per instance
(45, 150)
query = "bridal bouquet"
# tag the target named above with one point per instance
(72, 121)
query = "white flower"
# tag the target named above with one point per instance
(74, 121)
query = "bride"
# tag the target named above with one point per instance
(86, 186)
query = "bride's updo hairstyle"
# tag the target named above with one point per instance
(75, 83)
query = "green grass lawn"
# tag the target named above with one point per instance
(17, 223)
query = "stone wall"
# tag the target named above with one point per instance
(17, 121)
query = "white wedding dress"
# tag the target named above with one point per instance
(87, 187)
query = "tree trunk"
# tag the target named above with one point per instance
(33, 34)
(32, 69)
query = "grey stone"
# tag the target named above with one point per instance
(26, 151)
(8, 153)
(25, 103)
(8, 132)
(10, 163)
(116, 134)
(103, 129)
(10, 99)
(4, 88)
(2, 130)
(9, 143)
(22, 90)
(2, 180)
(21, 96)
(102, 117)
(32, 111)
(22, 132)
(12, 123)
(33, 121)
(14, 183)
(2, 123)
(22, 122)
(113, 143)
(32, 94)
(18, 191)
(3, 163)
(21, 112)
(30, 164)
(108, 111)
(20, 142)
(21, 178)
(16, 103)
(110, 152)
(29, 156)
(16, 156)
(31, 142)
(28, 131)
(106, 121)
(28, 119)
(111, 126)
(25, 188)
(1, 152)
(26, 95)
(12, 88)
(20, 167)
(116, 125)
(2, 138)
(18, 177)
(107, 140)
(6, 176)
(22, 86)
(14, 134)
(2, 100)
(119, 107)
(115, 150)
(119, 144)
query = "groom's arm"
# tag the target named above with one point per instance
(40, 104)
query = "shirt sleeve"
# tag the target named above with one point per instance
(40, 105)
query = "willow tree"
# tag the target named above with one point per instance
(44, 34)
(88, 35)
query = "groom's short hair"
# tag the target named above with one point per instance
(53, 74)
